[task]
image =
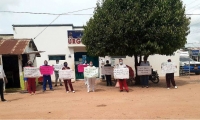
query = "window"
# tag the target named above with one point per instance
(56, 57)
(185, 59)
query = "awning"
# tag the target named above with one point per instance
(16, 46)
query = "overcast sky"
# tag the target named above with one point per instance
(64, 6)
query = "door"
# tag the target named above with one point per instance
(11, 69)
(79, 58)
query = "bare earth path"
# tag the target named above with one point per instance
(155, 102)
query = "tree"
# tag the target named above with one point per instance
(136, 28)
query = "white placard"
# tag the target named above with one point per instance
(168, 67)
(91, 72)
(31, 72)
(66, 74)
(144, 70)
(57, 67)
(107, 70)
(121, 73)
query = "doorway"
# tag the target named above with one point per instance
(11, 69)
(79, 58)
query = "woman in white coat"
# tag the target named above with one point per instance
(91, 81)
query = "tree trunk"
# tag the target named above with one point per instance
(137, 78)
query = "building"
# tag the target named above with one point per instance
(6, 36)
(14, 54)
(63, 42)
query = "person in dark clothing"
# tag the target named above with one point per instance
(170, 78)
(108, 77)
(2, 80)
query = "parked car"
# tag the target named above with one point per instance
(188, 64)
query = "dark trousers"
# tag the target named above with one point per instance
(45, 79)
(122, 83)
(1, 89)
(70, 85)
(108, 80)
(170, 77)
(31, 85)
(144, 80)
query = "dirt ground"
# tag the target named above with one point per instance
(155, 102)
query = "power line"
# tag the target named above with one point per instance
(58, 17)
(41, 13)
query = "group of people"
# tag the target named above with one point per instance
(90, 82)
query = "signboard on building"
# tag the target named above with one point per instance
(74, 36)
(195, 52)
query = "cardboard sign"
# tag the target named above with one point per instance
(168, 67)
(144, 70)
(121, 73)
(46, 70)
(91, 72)
(107, 70)
(31, 72)
(66, 74)
(57, 67)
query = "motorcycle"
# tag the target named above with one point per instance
(154, 77)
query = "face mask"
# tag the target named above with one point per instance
(120, 63)
(65, 65)
(91, 64)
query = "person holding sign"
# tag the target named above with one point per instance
(67, 81)
(122, 82)
(57, 67)
(170, 77)
(91, 81)
(145, 78)
(31, 81)
(3, 80)
(46, 76)
(108, 77)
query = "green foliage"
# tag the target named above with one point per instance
(136, 27)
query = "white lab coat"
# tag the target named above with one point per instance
(91, 83)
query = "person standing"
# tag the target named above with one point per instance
(122, 82)
(67, 81)
(31, 81)
(170, 77)
(91, 81)
(57, 74)
(145, 78)
(3, 80)
(47, 78)
(108, 77)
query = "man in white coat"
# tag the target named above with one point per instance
(91, 81)
(2, 81)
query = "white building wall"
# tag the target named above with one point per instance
(54, 41)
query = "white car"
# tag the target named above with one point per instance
(185, 60)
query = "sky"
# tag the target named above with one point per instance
(65, 6)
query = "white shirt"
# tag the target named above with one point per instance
(2, 74)
(145, 64)
(57, 69)
(122, 66)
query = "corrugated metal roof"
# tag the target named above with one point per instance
(13, 46)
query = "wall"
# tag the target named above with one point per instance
(6, 36)
(54, 41)
(155, 61)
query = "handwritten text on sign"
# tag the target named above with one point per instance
(31, 72)
(144, 70)
(57, 67)
(121, 73)
(90, 72)
(107, 70)
(46, 70)
(168, 67)
(66, 74)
